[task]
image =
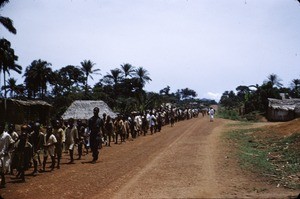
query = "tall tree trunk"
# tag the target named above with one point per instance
(0, 84)
(4, 78)
(86, 85)
(5, 103)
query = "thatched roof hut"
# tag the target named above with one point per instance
(283, 110)
(83, 110)
(24, 111)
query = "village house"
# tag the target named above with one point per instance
(83, 110)
(23, 111)
(283, 109)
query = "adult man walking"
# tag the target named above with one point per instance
(95, 125)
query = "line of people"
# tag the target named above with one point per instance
(34, 145)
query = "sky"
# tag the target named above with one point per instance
(210, 46)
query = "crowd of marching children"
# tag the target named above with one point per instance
(35, 144)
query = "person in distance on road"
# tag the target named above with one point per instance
(211, 113)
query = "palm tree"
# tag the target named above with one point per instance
(7, 60)
(12, 87)
(37, 75)
(114, 76)
(127, 70)
(295, 87)
(142, 76)
(296, 83)
(5, 21)
(274, 80)
(111, 83)
(87, 69)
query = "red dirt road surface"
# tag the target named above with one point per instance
(189, 160)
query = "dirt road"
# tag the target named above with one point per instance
(189, 160)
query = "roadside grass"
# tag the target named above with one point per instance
(268, 154)
(229, 114)
(234, 114)
(240, 124)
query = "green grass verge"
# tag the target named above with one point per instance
(274, 157)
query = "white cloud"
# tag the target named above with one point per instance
(214, 96)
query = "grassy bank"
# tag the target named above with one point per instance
(233, 114)
(268, 153)
(228, 114)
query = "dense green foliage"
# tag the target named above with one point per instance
(248, 100)
(121, 88)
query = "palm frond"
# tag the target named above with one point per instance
(3, 2)
(8, 24)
